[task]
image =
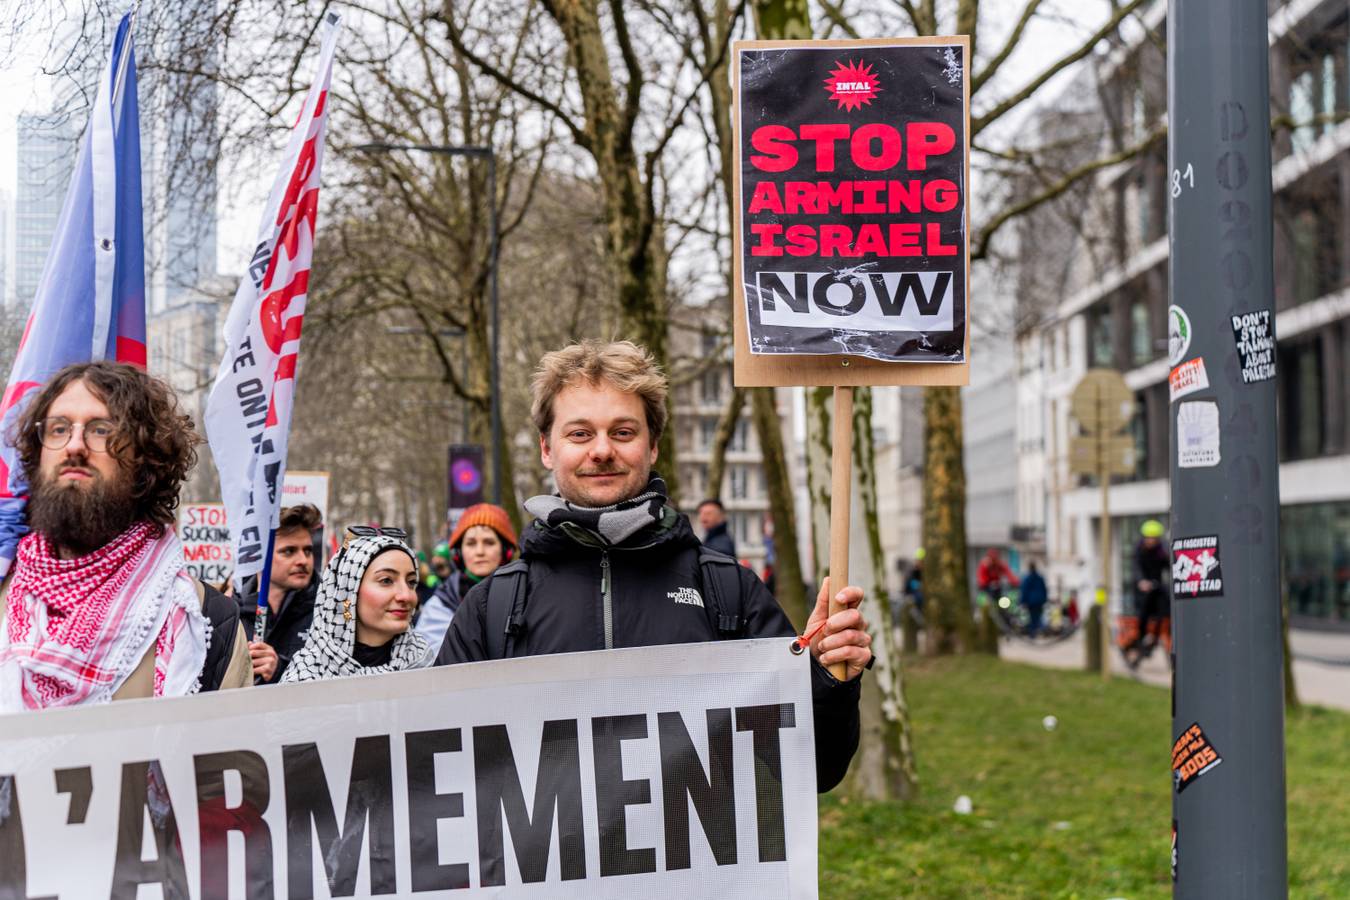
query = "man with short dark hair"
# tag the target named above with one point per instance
(611, 563)
(290, 595)
(712, 518)
(99, 606)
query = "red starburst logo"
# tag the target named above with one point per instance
(852, 84)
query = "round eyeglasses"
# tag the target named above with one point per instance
(55, 433)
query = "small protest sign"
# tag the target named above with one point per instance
(203, 528)
(306, 487)
(851, 215)
(208, 553)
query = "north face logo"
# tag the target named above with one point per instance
(686, 595)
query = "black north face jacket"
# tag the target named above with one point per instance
(644, 576)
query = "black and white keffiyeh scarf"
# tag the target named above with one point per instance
(328, 651)
(615, 524)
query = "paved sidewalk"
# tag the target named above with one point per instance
(1321, 664)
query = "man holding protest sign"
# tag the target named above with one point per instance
(99, 606)
(608, 562)
(290, 595)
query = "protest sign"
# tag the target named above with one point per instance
(208, 553)
(204, 527)
(850, 236)
(663, 772)
(849, 227)
(306, 487)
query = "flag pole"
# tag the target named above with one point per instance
(265, 589)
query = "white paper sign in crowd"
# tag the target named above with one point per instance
(665, 772)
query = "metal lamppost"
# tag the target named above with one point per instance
(1229, 835)
(478, 152)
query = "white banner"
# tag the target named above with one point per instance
(248, 415)
(672, 772)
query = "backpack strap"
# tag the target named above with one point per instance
(722, 583)
(505, 619)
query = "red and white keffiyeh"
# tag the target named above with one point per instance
(76, 628)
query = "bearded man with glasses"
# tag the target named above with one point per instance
(98, 605)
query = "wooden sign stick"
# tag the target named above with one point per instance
(841, 476)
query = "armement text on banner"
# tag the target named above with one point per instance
(664, 772)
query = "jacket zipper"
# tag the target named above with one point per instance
(607, 599)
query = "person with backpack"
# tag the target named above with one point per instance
(609, 562)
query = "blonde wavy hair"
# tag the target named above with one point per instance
(623, 364)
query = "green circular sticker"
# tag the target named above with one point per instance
(1178, 335)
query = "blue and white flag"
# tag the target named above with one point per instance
(90, 303)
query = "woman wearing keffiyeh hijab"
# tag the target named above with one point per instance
(366, 601)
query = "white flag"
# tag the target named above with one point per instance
(248, 416)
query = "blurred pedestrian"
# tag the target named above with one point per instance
(1034, 597)
(482, 541)
(1151, 562)
(290, 595)
(365, 605)
(440, 562)
(426, 579)
(993, 575)
(712, 518)
(914, 579)
(99, 605)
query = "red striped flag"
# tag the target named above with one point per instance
(248, 415)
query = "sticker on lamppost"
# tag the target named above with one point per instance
(1178, 335)
(1187, 378)
(1195, 567)
(1197, 434)
(1193, 755)
(1255, 345)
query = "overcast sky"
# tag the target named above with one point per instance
(24, 88)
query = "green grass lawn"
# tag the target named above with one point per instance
(1083, 811)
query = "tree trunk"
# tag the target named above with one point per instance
(790, 586)
(726, 429)
(634, 239)
(1291, 703)
(945, 581)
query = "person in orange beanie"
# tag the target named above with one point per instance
(483, 539)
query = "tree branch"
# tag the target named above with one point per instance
(1057, 188)
(835, 13)
(1013, 40)
(506, 81)
(979, 123)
